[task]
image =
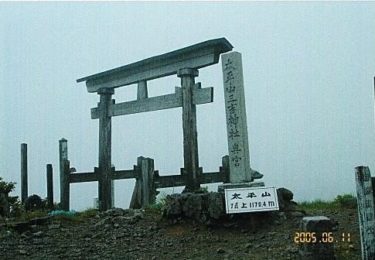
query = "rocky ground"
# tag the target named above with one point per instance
(144, 234)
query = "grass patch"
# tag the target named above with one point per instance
(88, 213)
(341, 201)
(158, 205)
(28, 215)
(346, 201)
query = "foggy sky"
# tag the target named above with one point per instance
(308, 72)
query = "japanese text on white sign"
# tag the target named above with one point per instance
(241, 200)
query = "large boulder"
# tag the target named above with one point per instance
(197, 206)
(33, 202)
(285, 198)
(208, 207)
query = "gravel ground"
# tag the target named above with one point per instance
(137, 234)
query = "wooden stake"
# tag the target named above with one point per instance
(64, 178)
(49, 186)
(24, 190)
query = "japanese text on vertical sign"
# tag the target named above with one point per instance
(232, 108)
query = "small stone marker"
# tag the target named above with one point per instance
(366, 211)
(241, 200)
(238, 146)
(316, 238)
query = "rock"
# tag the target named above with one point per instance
(292, 249)
(38, 234)
(285, 197)
(172, 206)
(220, 251)
(115, 212)
(201, 207)
(285, 194)
(138, 213)
(23, 252)
(54, 226)
(103, 222)
(33, 202)
(26, 235)
(317, 224)
(192, 205)
(216, 205)
(296, 214)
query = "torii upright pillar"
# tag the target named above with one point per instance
(105, 146)
(189, 124)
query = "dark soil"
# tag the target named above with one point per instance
(126, 234)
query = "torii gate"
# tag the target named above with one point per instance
(185, 63)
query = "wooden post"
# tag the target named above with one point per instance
(105, 166)
(136, 200)
(226, 169)
(147, 172)
(189, 124)
(24, 191)
(142, 92)
(366, 211)
(64, 188)
(49, 186)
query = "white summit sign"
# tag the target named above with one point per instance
(242, 200)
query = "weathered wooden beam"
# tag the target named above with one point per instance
(83, 177)
(105, 145)
(124, 174)
(142, 105)
(93, 176)
(366, 211)
(49, 185)
(24, 188)
(196, 56)
(200, 96)
(189, 127)
(212, 177)
(169, 181)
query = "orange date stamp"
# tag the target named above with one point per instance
(321, 237)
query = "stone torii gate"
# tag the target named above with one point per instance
(183, 62)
